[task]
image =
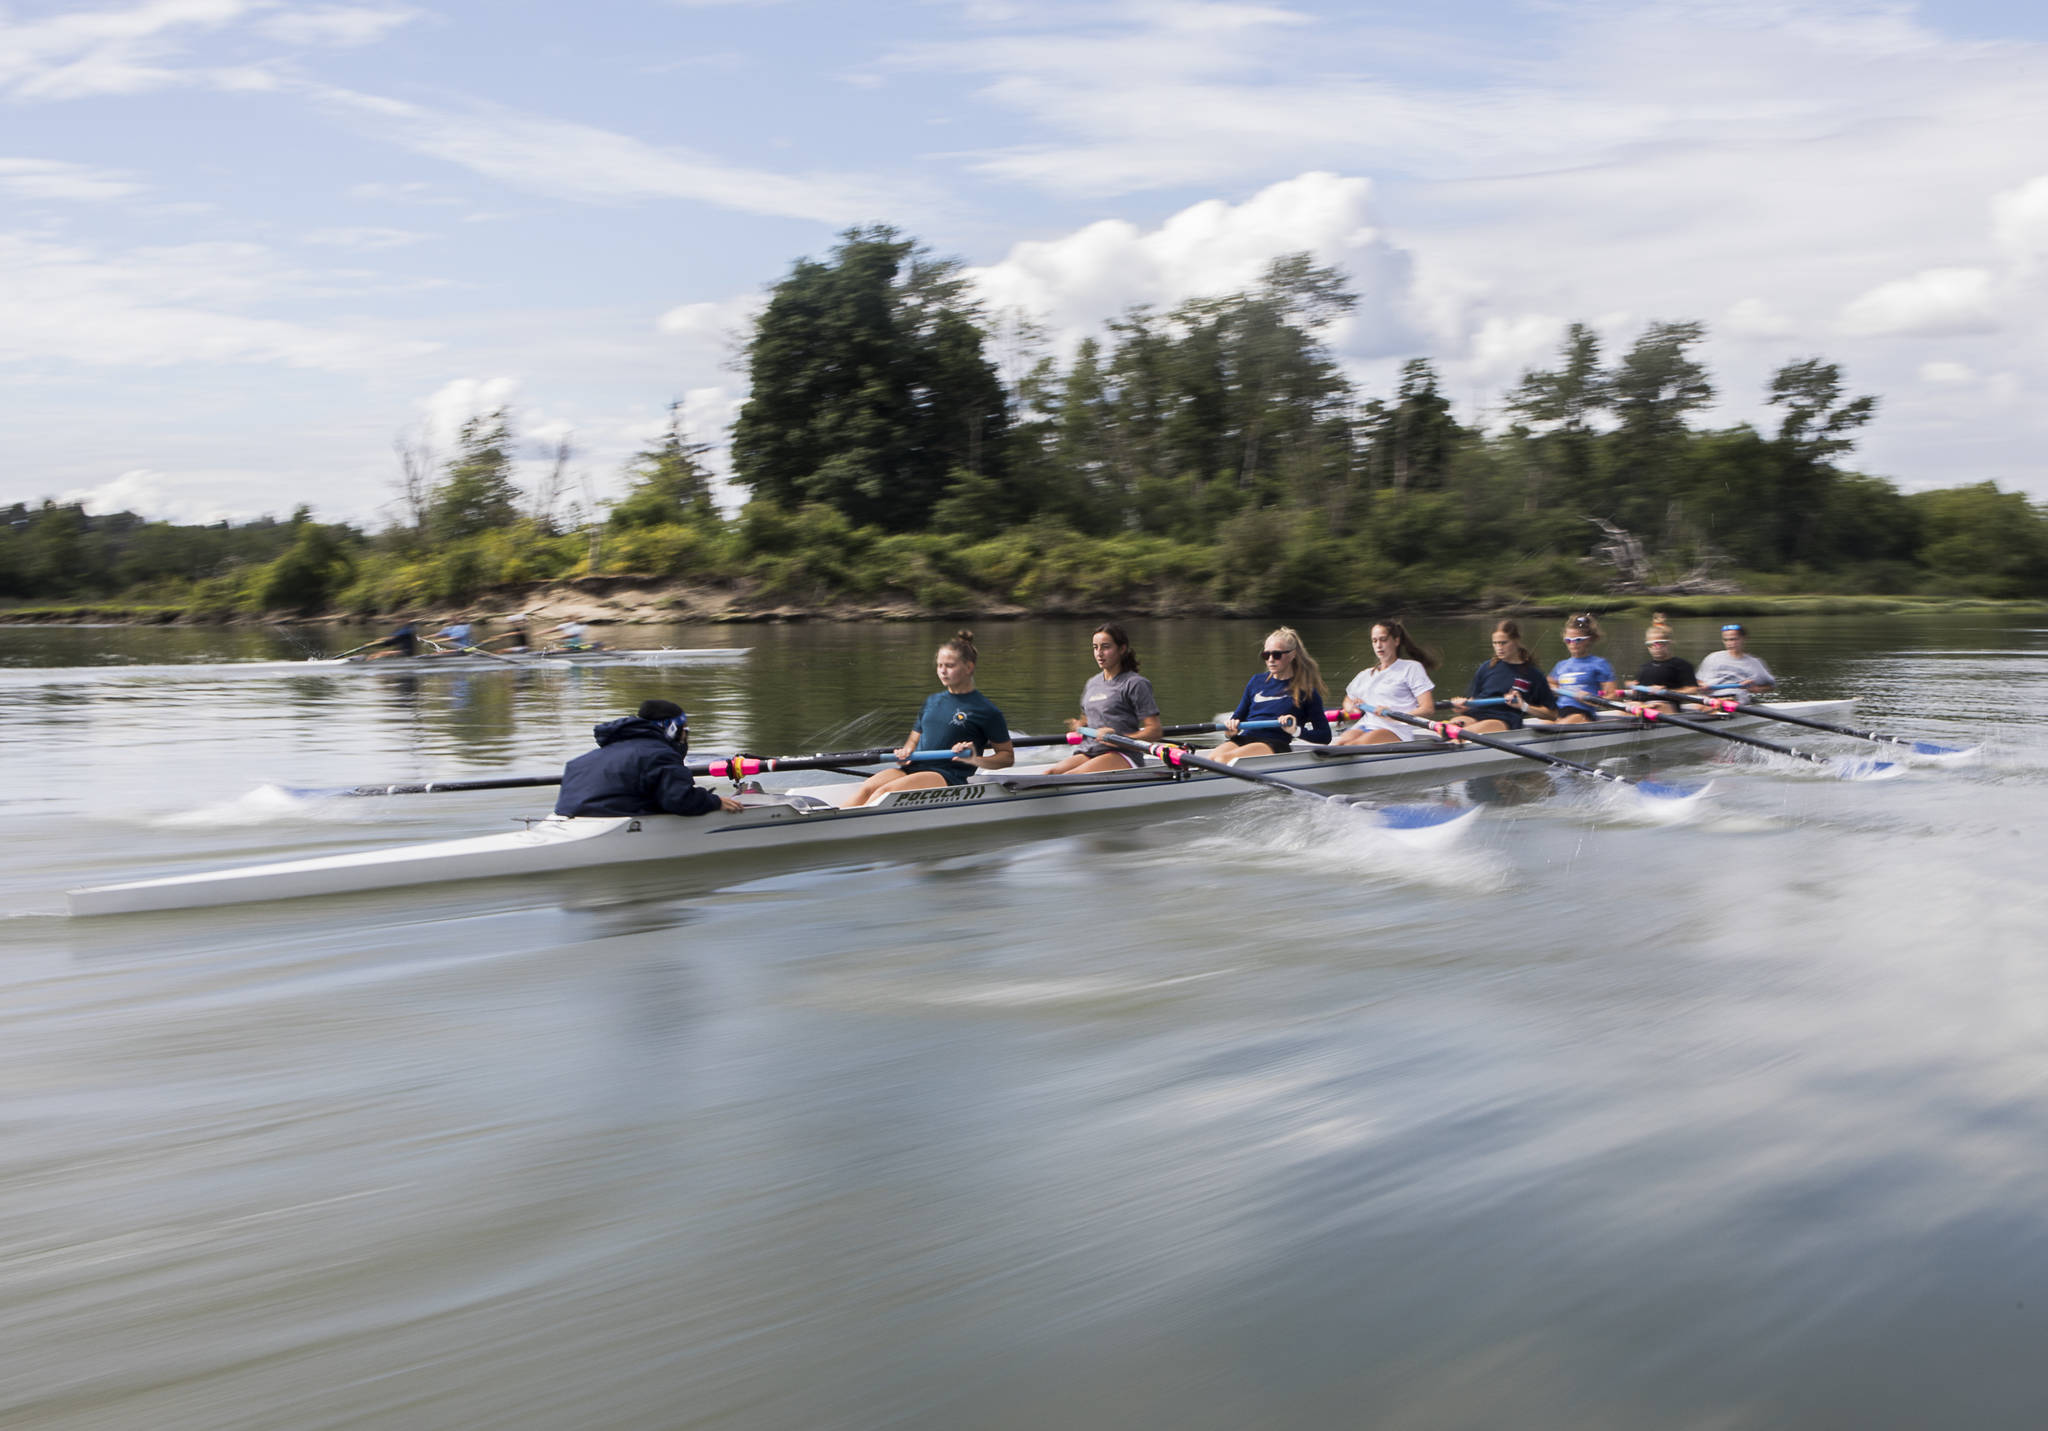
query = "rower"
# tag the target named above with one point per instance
(1509, 688)
(405, 641)
(1662, 671)
(1732, 671)
(460, 634)
(575, 636)
(1115, 699)
(1289, 690)
(638, 769)
(958, 719)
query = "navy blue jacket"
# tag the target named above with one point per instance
(633, 771)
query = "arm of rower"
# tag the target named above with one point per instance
(1151, 728)
(1001, 756)
(909, 747)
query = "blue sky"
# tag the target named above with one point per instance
(245, 244)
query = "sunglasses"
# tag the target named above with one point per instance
(1276, 655)
(1576, 640)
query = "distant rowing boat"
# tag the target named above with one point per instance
(536, 660)
(811, 816)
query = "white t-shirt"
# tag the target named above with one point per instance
(1399, 686)
(1725, 668)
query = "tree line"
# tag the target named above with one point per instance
(903, 443)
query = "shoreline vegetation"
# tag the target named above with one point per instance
(637, 606)
(907, 454)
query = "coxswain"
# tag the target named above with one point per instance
(638, 768)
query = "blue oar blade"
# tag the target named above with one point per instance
(1421, 817)
(1660, 790)
(1928, 747)
(1868, 769)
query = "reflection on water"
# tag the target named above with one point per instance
(1250, 1118)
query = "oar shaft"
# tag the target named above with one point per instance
(1181, 757)
(1733, 707)
(1667, 718)
(1455, 733)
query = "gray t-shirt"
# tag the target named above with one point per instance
(1723, 673)
(1121, 704)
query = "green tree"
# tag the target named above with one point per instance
(870, 386)
(1562, 461)
(1655, 386)
(477, 494)
(667, 483)
(1409, 445)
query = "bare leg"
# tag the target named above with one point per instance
(893, 780)
(1230, 752)
(1366, 735)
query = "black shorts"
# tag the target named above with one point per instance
(952, 771)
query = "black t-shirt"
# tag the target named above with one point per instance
(1672, 672)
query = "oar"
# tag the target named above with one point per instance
(351, 650)
(1844, 769)
(1656, 790)
(1399, 817)
(1731, 707)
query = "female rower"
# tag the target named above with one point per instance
(1400, 681)
(1581, 672)
(961, 717)
(1732, 671)
(1116, 698)
(1663, 671)
(1510, 687)
(1290, 690)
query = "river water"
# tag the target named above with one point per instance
(1239, 1120)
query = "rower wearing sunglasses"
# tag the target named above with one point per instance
(1581, 672)
(1663, 671)
(1732, 671)
(1289, 690)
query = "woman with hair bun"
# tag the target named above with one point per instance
(1510, 687)
(1581, 673)
(1663, 670)
(1116, 698)
(958, 718)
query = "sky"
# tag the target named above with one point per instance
(247, 246)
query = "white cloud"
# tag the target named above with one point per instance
(2019, 224)
(364, 238)
(445, 410)
(714, 323)
(165, 306)
(341, 25)
(1947, 373)
(114, 51)
(582, 162)
(148, 494)
(1933, 303)
(1077, 282)
(1754, 318)
(54, 179)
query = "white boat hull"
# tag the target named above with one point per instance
(776, 822)
(529, 660)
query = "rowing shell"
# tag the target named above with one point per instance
(773, 822)
(537, 660)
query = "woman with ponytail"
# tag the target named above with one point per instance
(1289, 690)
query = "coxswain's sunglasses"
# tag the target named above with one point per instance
(1276, 655)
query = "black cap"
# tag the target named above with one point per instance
(659, 710)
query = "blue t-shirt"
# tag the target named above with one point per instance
(947, 719)
(458, 633)
(1267, 697)
(1580, 675)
